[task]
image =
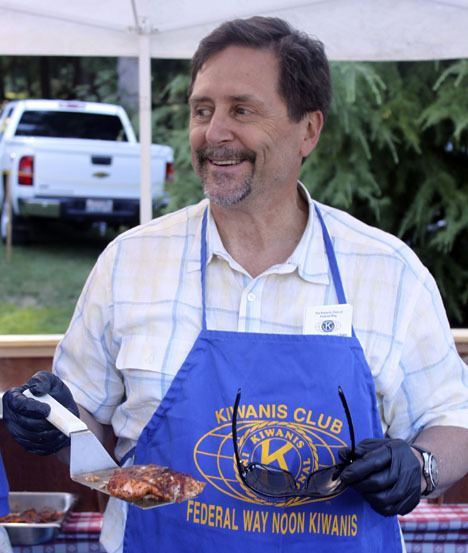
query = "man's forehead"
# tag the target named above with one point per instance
(200, 98)
(237, 71)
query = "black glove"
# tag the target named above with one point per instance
(386, 473)
(25, 417)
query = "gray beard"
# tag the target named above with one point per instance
(235, 197)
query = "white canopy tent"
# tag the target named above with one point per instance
(350, 29)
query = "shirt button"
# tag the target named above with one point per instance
(251, 297)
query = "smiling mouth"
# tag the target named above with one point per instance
(226, 162)
(224, 157)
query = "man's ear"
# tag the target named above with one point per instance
(313, 123)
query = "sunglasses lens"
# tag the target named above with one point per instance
(325, 482)
(270, 481)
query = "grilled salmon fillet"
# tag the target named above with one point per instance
(166, 485)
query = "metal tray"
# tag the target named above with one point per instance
(22, 533)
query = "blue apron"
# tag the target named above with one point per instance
(290, 416)
(4, 507)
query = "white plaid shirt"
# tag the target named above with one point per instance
(140, 313)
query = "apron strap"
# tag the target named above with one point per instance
(332, 259)
(203, 266)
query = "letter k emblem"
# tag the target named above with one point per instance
(278, 455)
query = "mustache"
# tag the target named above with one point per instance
(219, 154)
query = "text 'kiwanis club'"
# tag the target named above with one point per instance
(281, 411)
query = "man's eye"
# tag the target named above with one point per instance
(242, 110)
(201, 113)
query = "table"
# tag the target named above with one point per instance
(433, 528)
(430, 528)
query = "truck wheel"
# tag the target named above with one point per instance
(19, 227)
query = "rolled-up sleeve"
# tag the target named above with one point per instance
(85, 357)
(434, 387)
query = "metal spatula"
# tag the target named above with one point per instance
(90, 464)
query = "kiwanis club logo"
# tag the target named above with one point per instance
(297, 440)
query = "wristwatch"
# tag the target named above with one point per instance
(430, 470)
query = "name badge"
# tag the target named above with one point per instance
(329, 320)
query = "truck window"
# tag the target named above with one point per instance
(68, 124)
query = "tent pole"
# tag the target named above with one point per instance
(144, 82)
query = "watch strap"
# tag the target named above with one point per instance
(427, 474)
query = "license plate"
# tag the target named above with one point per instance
(99, 206)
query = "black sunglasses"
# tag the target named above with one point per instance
(279, 483)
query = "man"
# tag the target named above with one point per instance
(332, 331)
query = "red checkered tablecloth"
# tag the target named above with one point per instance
(82, 523)
(433, 528)
(431, 517)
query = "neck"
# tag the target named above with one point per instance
(260, 236)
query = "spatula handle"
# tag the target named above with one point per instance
(59, 416)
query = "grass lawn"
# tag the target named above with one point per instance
(40, 284)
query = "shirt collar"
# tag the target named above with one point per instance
(309, 256)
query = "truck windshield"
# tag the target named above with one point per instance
(67, 124)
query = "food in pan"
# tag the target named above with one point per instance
(162, 483)
(31, 516)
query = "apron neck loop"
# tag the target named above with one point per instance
(331, 259)
(328, 248)
(203, 266)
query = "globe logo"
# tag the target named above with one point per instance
(299, 448)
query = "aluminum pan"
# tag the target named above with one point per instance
(22, 533)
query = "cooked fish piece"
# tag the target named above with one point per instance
(166, 485)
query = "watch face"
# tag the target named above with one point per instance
(434, 471)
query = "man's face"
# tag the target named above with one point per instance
(243, 142)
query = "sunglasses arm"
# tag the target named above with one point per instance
(350, 422)
(240, 466)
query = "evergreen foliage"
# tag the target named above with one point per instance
(393, 153)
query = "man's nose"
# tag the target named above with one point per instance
(219, 129)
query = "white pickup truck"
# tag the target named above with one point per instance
(74, 161)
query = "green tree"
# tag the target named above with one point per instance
(59, 77)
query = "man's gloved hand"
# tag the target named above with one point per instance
(386, 473)
(25, 417)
